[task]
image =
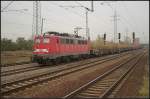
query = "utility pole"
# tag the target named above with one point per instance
(115, 24)
(91, 10)
(87, 32)
(126, 33)
(76, 30)
(126, 37)
(144, 38)
(86, 14)
(3, 9)
(42, 25)
(36, 18)
(114, 19)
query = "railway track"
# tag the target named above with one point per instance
(6, 71)
(10, 87)
(35, 73)
(13, 64)
(14, 69)
(104, 85)
(21, 70)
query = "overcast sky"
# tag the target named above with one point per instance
(133, 17)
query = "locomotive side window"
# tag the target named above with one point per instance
(37, 41)
(85, 42)
(46, 40)
(67, 41)
(78, 41)
(71, 41)
(63, 41)
(75, 41)
(82, 41)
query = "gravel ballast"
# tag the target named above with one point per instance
(66, 84)
(133, 84)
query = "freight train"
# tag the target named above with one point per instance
(53, 47)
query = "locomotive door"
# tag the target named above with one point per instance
(57, 46)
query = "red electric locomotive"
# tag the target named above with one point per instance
(54, 46)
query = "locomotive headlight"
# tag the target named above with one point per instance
(36, 50)
(44, 50)
(41, 50)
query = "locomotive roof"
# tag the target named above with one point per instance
(62, 34)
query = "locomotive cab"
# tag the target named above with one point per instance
(40, 45)
(44, 46)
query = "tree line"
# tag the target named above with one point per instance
(19, 44)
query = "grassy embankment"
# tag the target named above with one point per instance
(9, 57)
(144, 91)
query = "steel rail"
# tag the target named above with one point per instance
(72, 94)
(13, 64)
(39, 79)
(109, 91)
(20, 70)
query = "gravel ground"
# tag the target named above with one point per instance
(134, 82)
(64, 85)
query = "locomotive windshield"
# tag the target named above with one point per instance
(37, 41)
(46, 40)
